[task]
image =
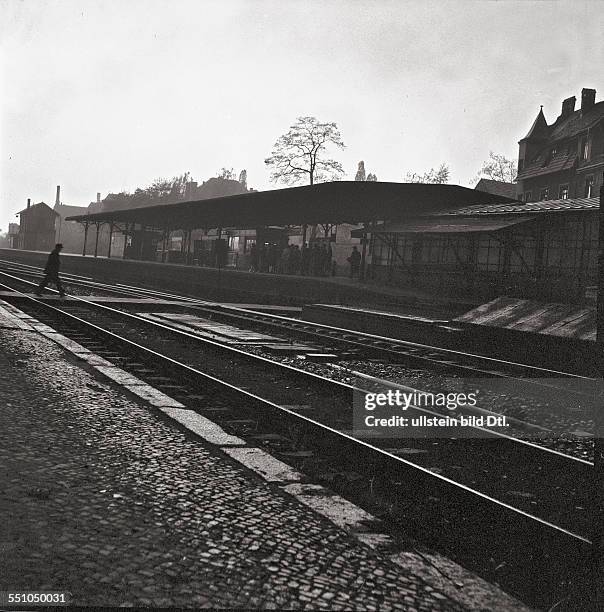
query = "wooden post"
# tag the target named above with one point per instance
(126, 234)
(142, 241)
(600, 306)
(85, 238)
(96, 242)
(110, 238)
(164, 245)
(598, 481)
(363, 255)
(189, 233)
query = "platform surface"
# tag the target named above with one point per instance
(231, 285)
(103, 499)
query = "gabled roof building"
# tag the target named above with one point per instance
(565, 159)
(37, 227)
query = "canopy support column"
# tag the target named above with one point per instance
(85, 238)
(362, 271)
(110, 239)
(96, 241)
(164, 245)
(141, 246)
(126, 235)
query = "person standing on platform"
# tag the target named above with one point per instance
(284, 267)
(328, 259)
(355, 262)
(51, 272)
(254, 258)
(304, 259)
(295, 258)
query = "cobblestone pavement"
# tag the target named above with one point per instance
(102, 498)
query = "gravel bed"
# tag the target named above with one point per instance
(561, 420)
(497, 467)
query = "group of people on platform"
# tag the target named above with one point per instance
(307, 261)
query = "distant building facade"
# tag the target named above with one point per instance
(13, 233)
(502, 188)
(37, 228)
(565, 159)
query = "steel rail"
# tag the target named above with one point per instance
(289, 322)
(303, 373)
(191, 370)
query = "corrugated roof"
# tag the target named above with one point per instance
(528, 207)
(464, 225)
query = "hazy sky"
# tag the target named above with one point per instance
(108, 95)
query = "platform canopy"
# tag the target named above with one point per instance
(459, 225)
(335, 202)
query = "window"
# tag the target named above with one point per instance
(563, 192)
(589, 186)
(233, 243)
(528, 196)
(585, 148)
(544, 193)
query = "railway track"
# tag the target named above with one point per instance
(373, 345)
(305, 419)
(555, 408)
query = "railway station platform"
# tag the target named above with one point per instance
(104, 497)
(253, 287)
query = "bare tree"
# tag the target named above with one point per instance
(498, 168)
(360, 175)
(299, 154)
(439, 176)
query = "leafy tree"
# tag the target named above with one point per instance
(301, 153)
(498, 168)
(439, 176)
(360, 175)
(227, 174)
(243, 178)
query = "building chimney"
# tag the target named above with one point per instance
(58, 198)
(588, 99)
(28, 202)
(98, 197)
(568, 107)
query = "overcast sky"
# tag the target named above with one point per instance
(108, 95)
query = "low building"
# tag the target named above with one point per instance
(544, 250)
(37, 228)
(13, 232)
(497, 187)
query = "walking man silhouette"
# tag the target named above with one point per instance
(51, 272)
